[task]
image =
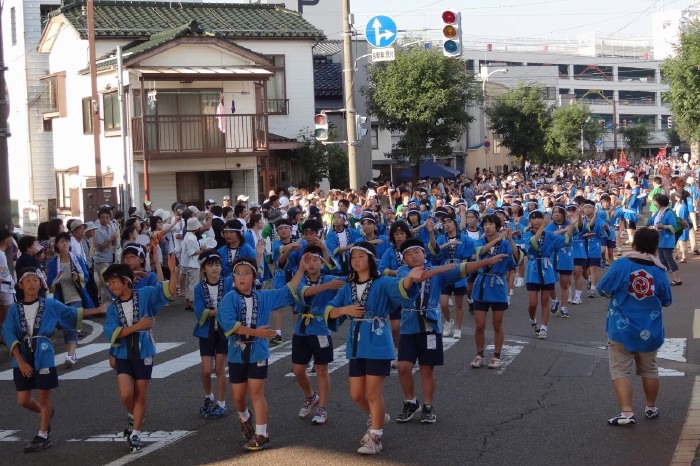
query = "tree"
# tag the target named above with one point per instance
(425, 96)
(681, 74)
(521, 118)
(319, 161)
(564, 135)
(674, 139)
(635, 137)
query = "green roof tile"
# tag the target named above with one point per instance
(138, 19)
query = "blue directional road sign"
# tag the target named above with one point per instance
(381, 31)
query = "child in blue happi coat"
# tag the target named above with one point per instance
(367, 300)
(27, 330)
(128, 328)
(213, 344)
(244, 315)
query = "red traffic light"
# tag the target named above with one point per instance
(321, 119)
(449, 16)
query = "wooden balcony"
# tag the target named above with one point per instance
(199, 135)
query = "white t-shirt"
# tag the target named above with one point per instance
(30, 311)
(128, 307)
(248, 310)
(361, 289)
(214, 295)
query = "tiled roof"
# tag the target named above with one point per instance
(328, 79)
(327, 48)
(135, 48)
(140, 19)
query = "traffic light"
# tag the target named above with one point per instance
(452, 33)
(624, 123)
(601, 124)
(321, 132)
(670, 122)
(359, 122)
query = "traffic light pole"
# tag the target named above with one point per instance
(5, 206)
(614, 129)
(349, 97)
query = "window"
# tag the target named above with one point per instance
(551, 93)
(374, 136)
(63, 189)
(87, 115)
(55, 92)
(112, 115)
(13, 25)
(44, 11)
(277, 102)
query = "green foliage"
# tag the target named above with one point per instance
(313, 158)
(674, 139)
(564, 135)
(521, 118)
(424, 95)
(338, 176)
(681, 74)
(635, 137)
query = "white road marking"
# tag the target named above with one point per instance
(7, 436)
(157, 440)
(696, 324)
(96, 332)
(161, 371)
(279, 352)
(508, 354)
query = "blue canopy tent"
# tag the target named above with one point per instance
(430, 169)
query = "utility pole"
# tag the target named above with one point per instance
(349, 97)
(5, 207)
(614, 129)
(93, 84)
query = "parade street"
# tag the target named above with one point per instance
(548, 405)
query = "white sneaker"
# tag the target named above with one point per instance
(477, 362)
(450, 301)
(542, 335)
(519, 282)
(576, 301)
(371, 446)
(457, 334)
(447, 327)
(495, 363)
(71, 361)
(309, 405)
(510, 293)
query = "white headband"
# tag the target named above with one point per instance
(363, 249)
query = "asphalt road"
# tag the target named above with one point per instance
(548, 406)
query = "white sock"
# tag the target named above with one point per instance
(222, 404)
(543, 327)
(210, 396)
(377, 432)
(135, 433)
(261, 429)
(578, 294)
(533, 321)
(278, 332)
(412, 400)
(244, 415)
(593, 288)
(43, 434)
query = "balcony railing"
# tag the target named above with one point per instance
(200, 134)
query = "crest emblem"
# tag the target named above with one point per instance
(641, 284)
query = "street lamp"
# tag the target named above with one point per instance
(483, 91)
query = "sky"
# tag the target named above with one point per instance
(530, 19)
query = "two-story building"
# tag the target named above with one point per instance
(215, 95)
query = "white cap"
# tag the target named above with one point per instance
(243, 198)
(193, 224)
(164, 215)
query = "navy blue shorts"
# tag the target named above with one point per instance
(46, 381)
(471, 278)
(395, 314)
(306, 346)
(137, 370)
(539, 287)
(610, 243)
(484, 306)
(215, 343)
(565, 272)
(457, 291)
(414, 347)
(585, 263)
(240, 372)
(361, 367)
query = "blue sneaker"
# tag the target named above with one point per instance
(216, 412)
(206, 406)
